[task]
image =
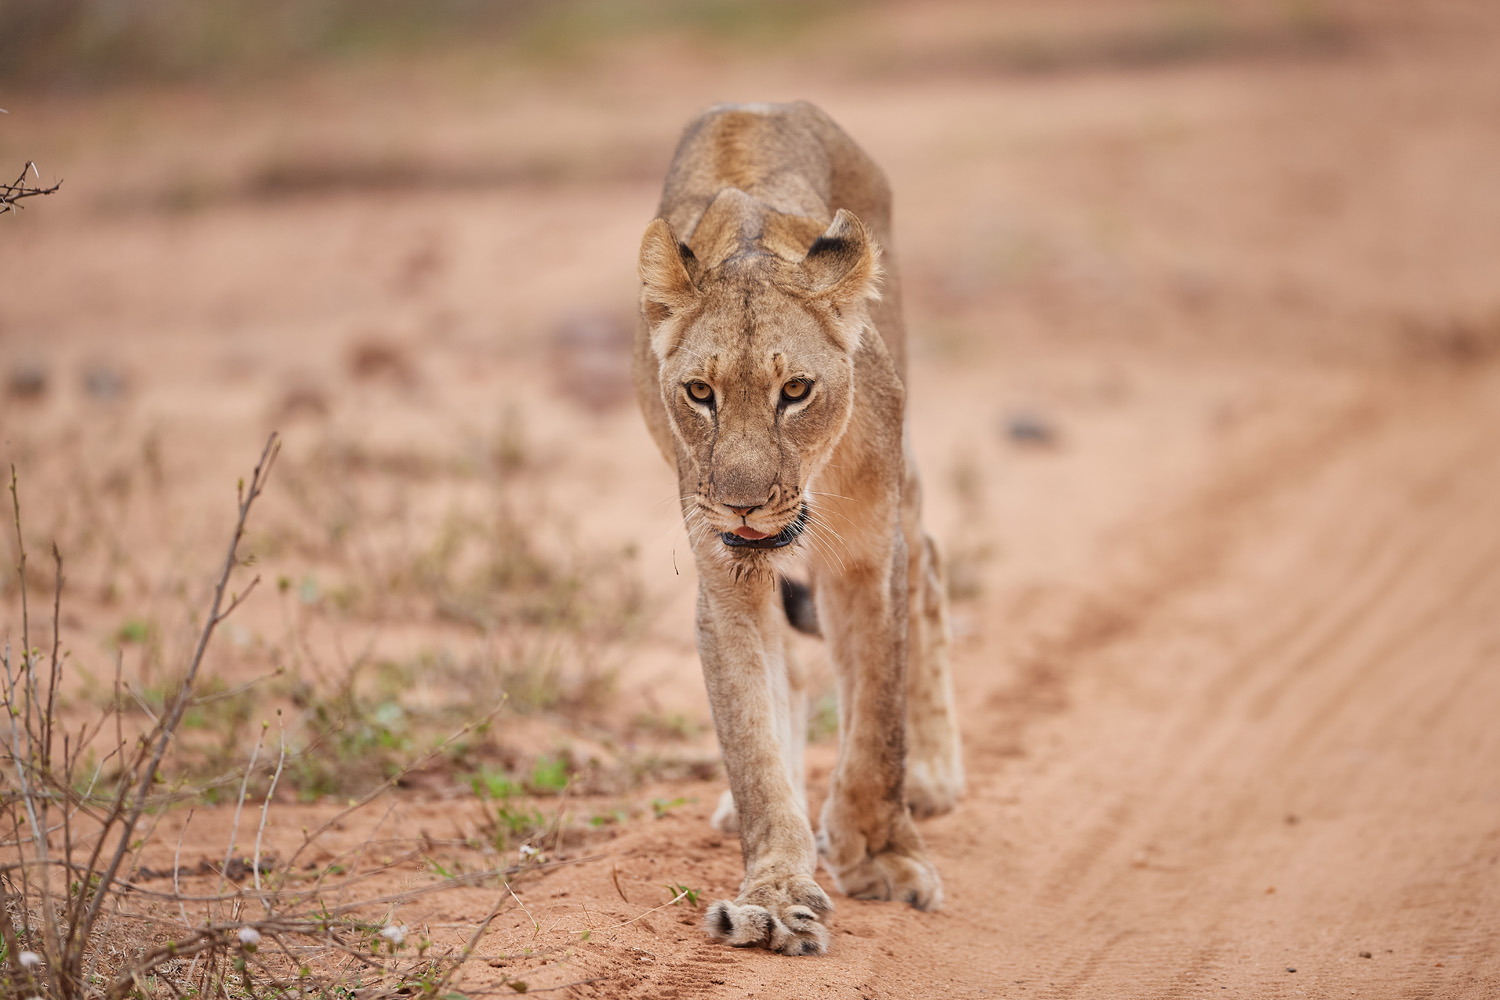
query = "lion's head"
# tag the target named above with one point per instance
(754, 337)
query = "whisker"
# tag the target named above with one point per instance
(816, 533)
(819, 509)
(828, 555)
(826, 530)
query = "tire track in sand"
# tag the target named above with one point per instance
(1295, 755)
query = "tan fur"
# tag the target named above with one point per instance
(770, 263)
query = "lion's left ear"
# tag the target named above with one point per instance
(843, 264)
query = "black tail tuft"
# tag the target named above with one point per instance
(797, 599)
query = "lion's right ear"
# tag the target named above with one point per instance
(668, 271)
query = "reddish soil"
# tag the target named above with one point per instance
(1206, 391)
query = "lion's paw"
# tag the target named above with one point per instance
(933, 788)
(905, 877)
(785, 916)
(726, 819)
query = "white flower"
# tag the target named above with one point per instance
(528, 852)
(30, 960)
(249, 937)
(395, 933)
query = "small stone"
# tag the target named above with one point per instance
(1365, 954)
(1291, 968)
(27, 380)
(103, 383)
(302, 398)
(1025, 427)
(372, 356)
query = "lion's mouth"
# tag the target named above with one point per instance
(745, 537)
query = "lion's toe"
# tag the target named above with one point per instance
(785, 918)
(906, 878)
(741, 926)
(933, 788)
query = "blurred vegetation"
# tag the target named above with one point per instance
(87, 43)
(93, 44)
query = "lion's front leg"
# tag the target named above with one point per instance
(868, 839)
(793, 740)
(779, 905)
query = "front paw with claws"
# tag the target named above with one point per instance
(784, 915)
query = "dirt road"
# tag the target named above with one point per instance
(1262, 763)
(1227, 628)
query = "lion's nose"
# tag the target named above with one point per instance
(742, 511)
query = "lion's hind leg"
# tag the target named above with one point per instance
(934, 757)
(867, 839)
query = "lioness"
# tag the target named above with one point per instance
(769, 365)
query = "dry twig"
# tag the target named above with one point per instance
(12, 193)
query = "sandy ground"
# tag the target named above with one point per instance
(1226, 639)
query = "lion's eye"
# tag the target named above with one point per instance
(796, 389)
(701, 391)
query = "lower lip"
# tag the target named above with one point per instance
(744, 537)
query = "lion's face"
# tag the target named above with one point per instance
(758, 394)
(756, 361)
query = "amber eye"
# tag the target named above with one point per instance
(796, 389)
(702, 392)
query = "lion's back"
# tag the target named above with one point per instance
(792, 156)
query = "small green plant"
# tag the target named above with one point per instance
(133, 630)
(549, 775)
(681, 893)
(352, 737)
(507, 821)
(663, 806)
(823, 720)
(608, 819)
(512, 823)
(490, 784)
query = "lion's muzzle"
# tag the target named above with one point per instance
(781, 539)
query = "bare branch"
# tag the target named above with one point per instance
(164, 730)
(13, 192)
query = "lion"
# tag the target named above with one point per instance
(770, 366)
